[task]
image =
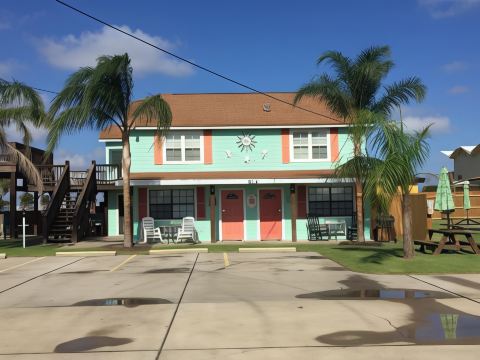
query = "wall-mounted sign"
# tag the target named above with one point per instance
(251, 201)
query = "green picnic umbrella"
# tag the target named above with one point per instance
(443, 197)
(466, 196)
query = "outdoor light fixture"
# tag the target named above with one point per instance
(212, 190)
(292, 188)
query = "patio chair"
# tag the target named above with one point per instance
(187, 231)
(150, 231)
(352, 229)
(316, 231)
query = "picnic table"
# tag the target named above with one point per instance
(449, 240)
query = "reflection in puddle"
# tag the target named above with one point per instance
(127, 302)
(453, 328)
(370, 294)
(90, 343)
(432, 328)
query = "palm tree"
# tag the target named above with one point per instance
(356, 88)
(20, 106)
(396, 157)
(99, 97)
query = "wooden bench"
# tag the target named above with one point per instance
(449, 241)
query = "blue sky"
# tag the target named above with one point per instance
(270, 45)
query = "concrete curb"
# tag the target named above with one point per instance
(86, 253)
(177, 251)
(3, 256)
(269, 249)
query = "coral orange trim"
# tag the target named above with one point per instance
(334, 144)
(207, 147)
(158, 150)
(285, 146)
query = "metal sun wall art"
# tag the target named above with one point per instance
(246, 142)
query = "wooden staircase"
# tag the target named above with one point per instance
(61, 228)
(67, 215)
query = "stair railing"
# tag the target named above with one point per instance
(81, 217)
(62, 187)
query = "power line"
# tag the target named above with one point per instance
(43, 90)
(192, 63)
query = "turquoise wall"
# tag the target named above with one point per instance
(251, 215)
(142, 149)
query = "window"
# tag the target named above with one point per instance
(330, 201)
(310, 145)
(184, 147)
(171, 204)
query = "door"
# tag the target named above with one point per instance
(232, 214)
(270, 214)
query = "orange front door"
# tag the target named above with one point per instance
(232, 215)
(270, 214)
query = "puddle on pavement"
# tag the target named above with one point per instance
(168, 270)
(429, 329)
(371, 294)
(127, 302)
(90, 343)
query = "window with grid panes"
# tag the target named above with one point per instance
(172, 203)
(183, 147)
(310, 145)
(330, 201)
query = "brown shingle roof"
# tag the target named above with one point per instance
(238, 109)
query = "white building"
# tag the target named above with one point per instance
(466, 162)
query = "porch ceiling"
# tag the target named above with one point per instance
(233, 177)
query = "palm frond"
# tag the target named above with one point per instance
(155, 109)
(329, 90)
(93, 98)
(401, 93)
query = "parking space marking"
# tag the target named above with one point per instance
(122, 263)
(19, 265)
(226, 260)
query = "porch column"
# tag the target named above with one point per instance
(13, 204)
(213, 237)
(293, 211)
(37, 215)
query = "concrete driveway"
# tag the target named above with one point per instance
(230, 306)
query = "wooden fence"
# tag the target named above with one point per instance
(459, 212)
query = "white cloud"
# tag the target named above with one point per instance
(7, 68)
(72, 52)
(440, 124)
(39, 135)
(440, 9)
(455, 66)
(458, 89)
(79, 161)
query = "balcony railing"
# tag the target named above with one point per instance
(108, 174)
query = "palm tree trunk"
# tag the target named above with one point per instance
(359, 210)
(408, 251)
(359, 198)
(127, 216)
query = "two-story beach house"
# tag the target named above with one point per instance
(246, 167)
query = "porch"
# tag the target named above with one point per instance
(236, 209)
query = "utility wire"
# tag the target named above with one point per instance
(212, 72)
(43, 90)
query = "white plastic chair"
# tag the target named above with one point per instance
(149, 231)
(187, 231)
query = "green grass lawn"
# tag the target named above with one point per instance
(384, 259)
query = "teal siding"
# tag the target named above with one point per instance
(142, 149)
(267, 141)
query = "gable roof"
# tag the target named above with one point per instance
(464, 149)
(238, 109)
